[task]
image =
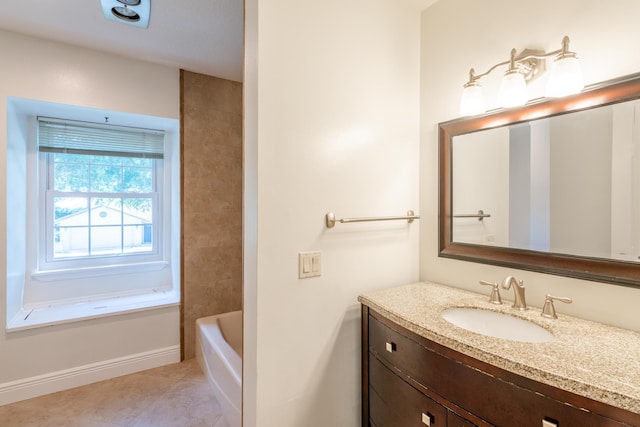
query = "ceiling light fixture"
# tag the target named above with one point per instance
(131, 12)
(565, 78)
(126, 14)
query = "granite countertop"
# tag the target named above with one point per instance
(590, 359)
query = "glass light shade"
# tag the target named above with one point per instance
(565, 77)
(472, 100)
(513, 90)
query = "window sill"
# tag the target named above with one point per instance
(37, 317)
(83, 273)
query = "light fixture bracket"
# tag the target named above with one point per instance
(531, 64)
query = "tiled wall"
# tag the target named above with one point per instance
(211, 115)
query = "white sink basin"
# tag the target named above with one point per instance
(497, 325)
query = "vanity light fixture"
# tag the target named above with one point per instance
(131, 12)
(565, 78)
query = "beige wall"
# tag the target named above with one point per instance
(211, 110)
(460, 34)
(332, 102)
(42, 70)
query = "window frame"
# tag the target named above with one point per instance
(39, 299)
(47, 263)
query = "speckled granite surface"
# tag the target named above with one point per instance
(587, 358)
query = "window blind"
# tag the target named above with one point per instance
(61, 136)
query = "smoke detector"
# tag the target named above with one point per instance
(130, 12)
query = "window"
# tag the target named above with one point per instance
(93, 227)
(101, 194)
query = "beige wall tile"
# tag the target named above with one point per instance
(211, 114)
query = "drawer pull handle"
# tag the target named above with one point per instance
(549, 423)
(427, 418)
(390, 346)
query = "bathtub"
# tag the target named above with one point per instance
(219, 354)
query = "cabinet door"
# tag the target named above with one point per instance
(394, 403)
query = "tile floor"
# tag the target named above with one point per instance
(177, 395)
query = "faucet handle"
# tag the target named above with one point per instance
(494, 298)
(548, 310)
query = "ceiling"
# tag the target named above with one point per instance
(203, 36)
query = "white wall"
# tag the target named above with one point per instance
(42, 70)
(332, 124)
(540, 185)
(482, 185)
(458, 35)
(581, 224)
(625, 197)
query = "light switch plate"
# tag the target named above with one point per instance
(309, 264)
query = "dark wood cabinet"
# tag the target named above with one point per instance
(411, 381)
(455, 420)
(395, 403)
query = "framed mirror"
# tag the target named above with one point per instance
(553, 186)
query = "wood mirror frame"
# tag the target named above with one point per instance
(595, 269)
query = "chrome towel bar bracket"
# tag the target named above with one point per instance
(330, 219)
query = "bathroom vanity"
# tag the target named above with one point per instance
(420, 370)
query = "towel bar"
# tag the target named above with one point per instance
(480, 215)
(330, 218)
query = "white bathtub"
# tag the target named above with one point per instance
(219, 353)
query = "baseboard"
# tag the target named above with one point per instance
(27, 388)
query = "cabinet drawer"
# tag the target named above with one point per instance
(394, 403)
(404, 354)
(454, 420)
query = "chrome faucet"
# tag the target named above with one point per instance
(519, 303)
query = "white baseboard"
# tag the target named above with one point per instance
(27, 388)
